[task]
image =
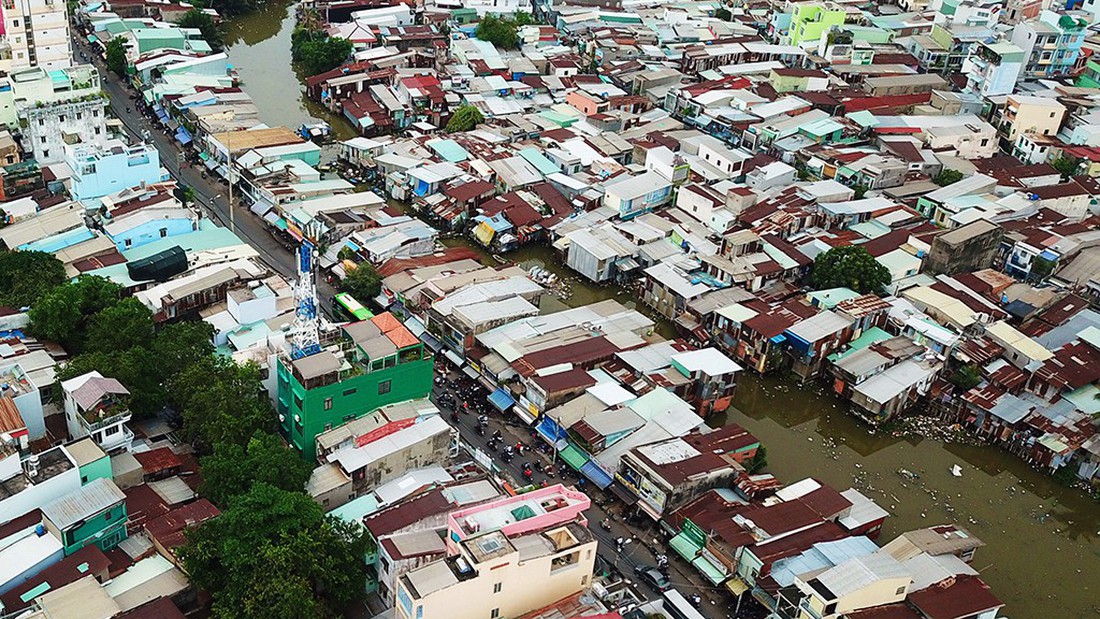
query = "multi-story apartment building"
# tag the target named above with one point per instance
(36, 34)
(993, 68)
(375, 363)
(1052, 44)
(505, 558)
(95, 406)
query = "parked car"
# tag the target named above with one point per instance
(652, 577)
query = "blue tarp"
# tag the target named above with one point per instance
(161, 114)
(501, 400)
(550, 430)
(183, 135)
(593, 471)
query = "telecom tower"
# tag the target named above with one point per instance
(306, 332)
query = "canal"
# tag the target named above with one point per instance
(1042, 540)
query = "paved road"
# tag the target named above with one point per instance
(209, 192)
(640, 551)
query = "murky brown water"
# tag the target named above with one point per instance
(259, 47)
(1043, 540)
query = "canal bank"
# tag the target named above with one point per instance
(1042, 539)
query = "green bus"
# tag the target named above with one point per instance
(345, 307)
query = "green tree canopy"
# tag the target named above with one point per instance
(27, 276)
(273, 553)
(211, 32)
(233, 469)
(1066, 166)
(966, 377)
(500, 31)
(465, 118)
(723, 14)
(852, 267)
(222, 402)
(180, 345)
(122, 326)
(947, 177)
(64, 314)
(116, 56)
(231, 8)
(362, 282)
(316, 52)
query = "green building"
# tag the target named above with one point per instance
(379, 362)
(810, 20)
(94, 514)
(92, 462)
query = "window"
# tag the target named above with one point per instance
(43, 139)
(383, 387)
(107, 514)
(328, 404)
(494, 614)
(328, 426)
(351, 391)
(497, 587)
(900, 591)
(163, 232)
(109, 430)
(128, 242)
(298, 401)
(97, 129)
(41, 122)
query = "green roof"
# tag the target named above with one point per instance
(449, 149)
(535, 157)
(562, 120)
(865, 339)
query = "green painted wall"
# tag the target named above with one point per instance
(350, 398)
(100, 469)
(809, 21)
(106, 529)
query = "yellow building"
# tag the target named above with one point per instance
(1023, 113)
(505, 558)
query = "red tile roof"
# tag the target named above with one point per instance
(168, 530)
(157, 460)
(963, 596)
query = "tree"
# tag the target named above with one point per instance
(316, 51)
(1041, 268)
(852, 267)
(63, 314)
(500, 31)
(116, 56)
(222, 402)
(181, 345)
(947, 177)
(362, 282)
(860, 191)
(233, 469)
(759, 461)
(1066, 166)
(125, 325)
(966, 377)
(465, 118)
(211, 33)
(27, 276)
(723, 14)
(231, 8)
(273, 553)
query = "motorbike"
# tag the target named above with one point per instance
(508, 454)
(605, 524)
(527, 474)
(480, 430)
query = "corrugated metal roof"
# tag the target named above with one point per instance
(97, 496)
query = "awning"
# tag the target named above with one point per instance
(183, 135)
(685, 546)
(573, 457)
(161, 114)
(593, 471)
(714, 573)
(623, 493)
(736, 586)
(471, 372)
(431, 341)
(271, 217)
(526, 416)
(210, 164)
(280, 223)
(453, 357)
(501, 400)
